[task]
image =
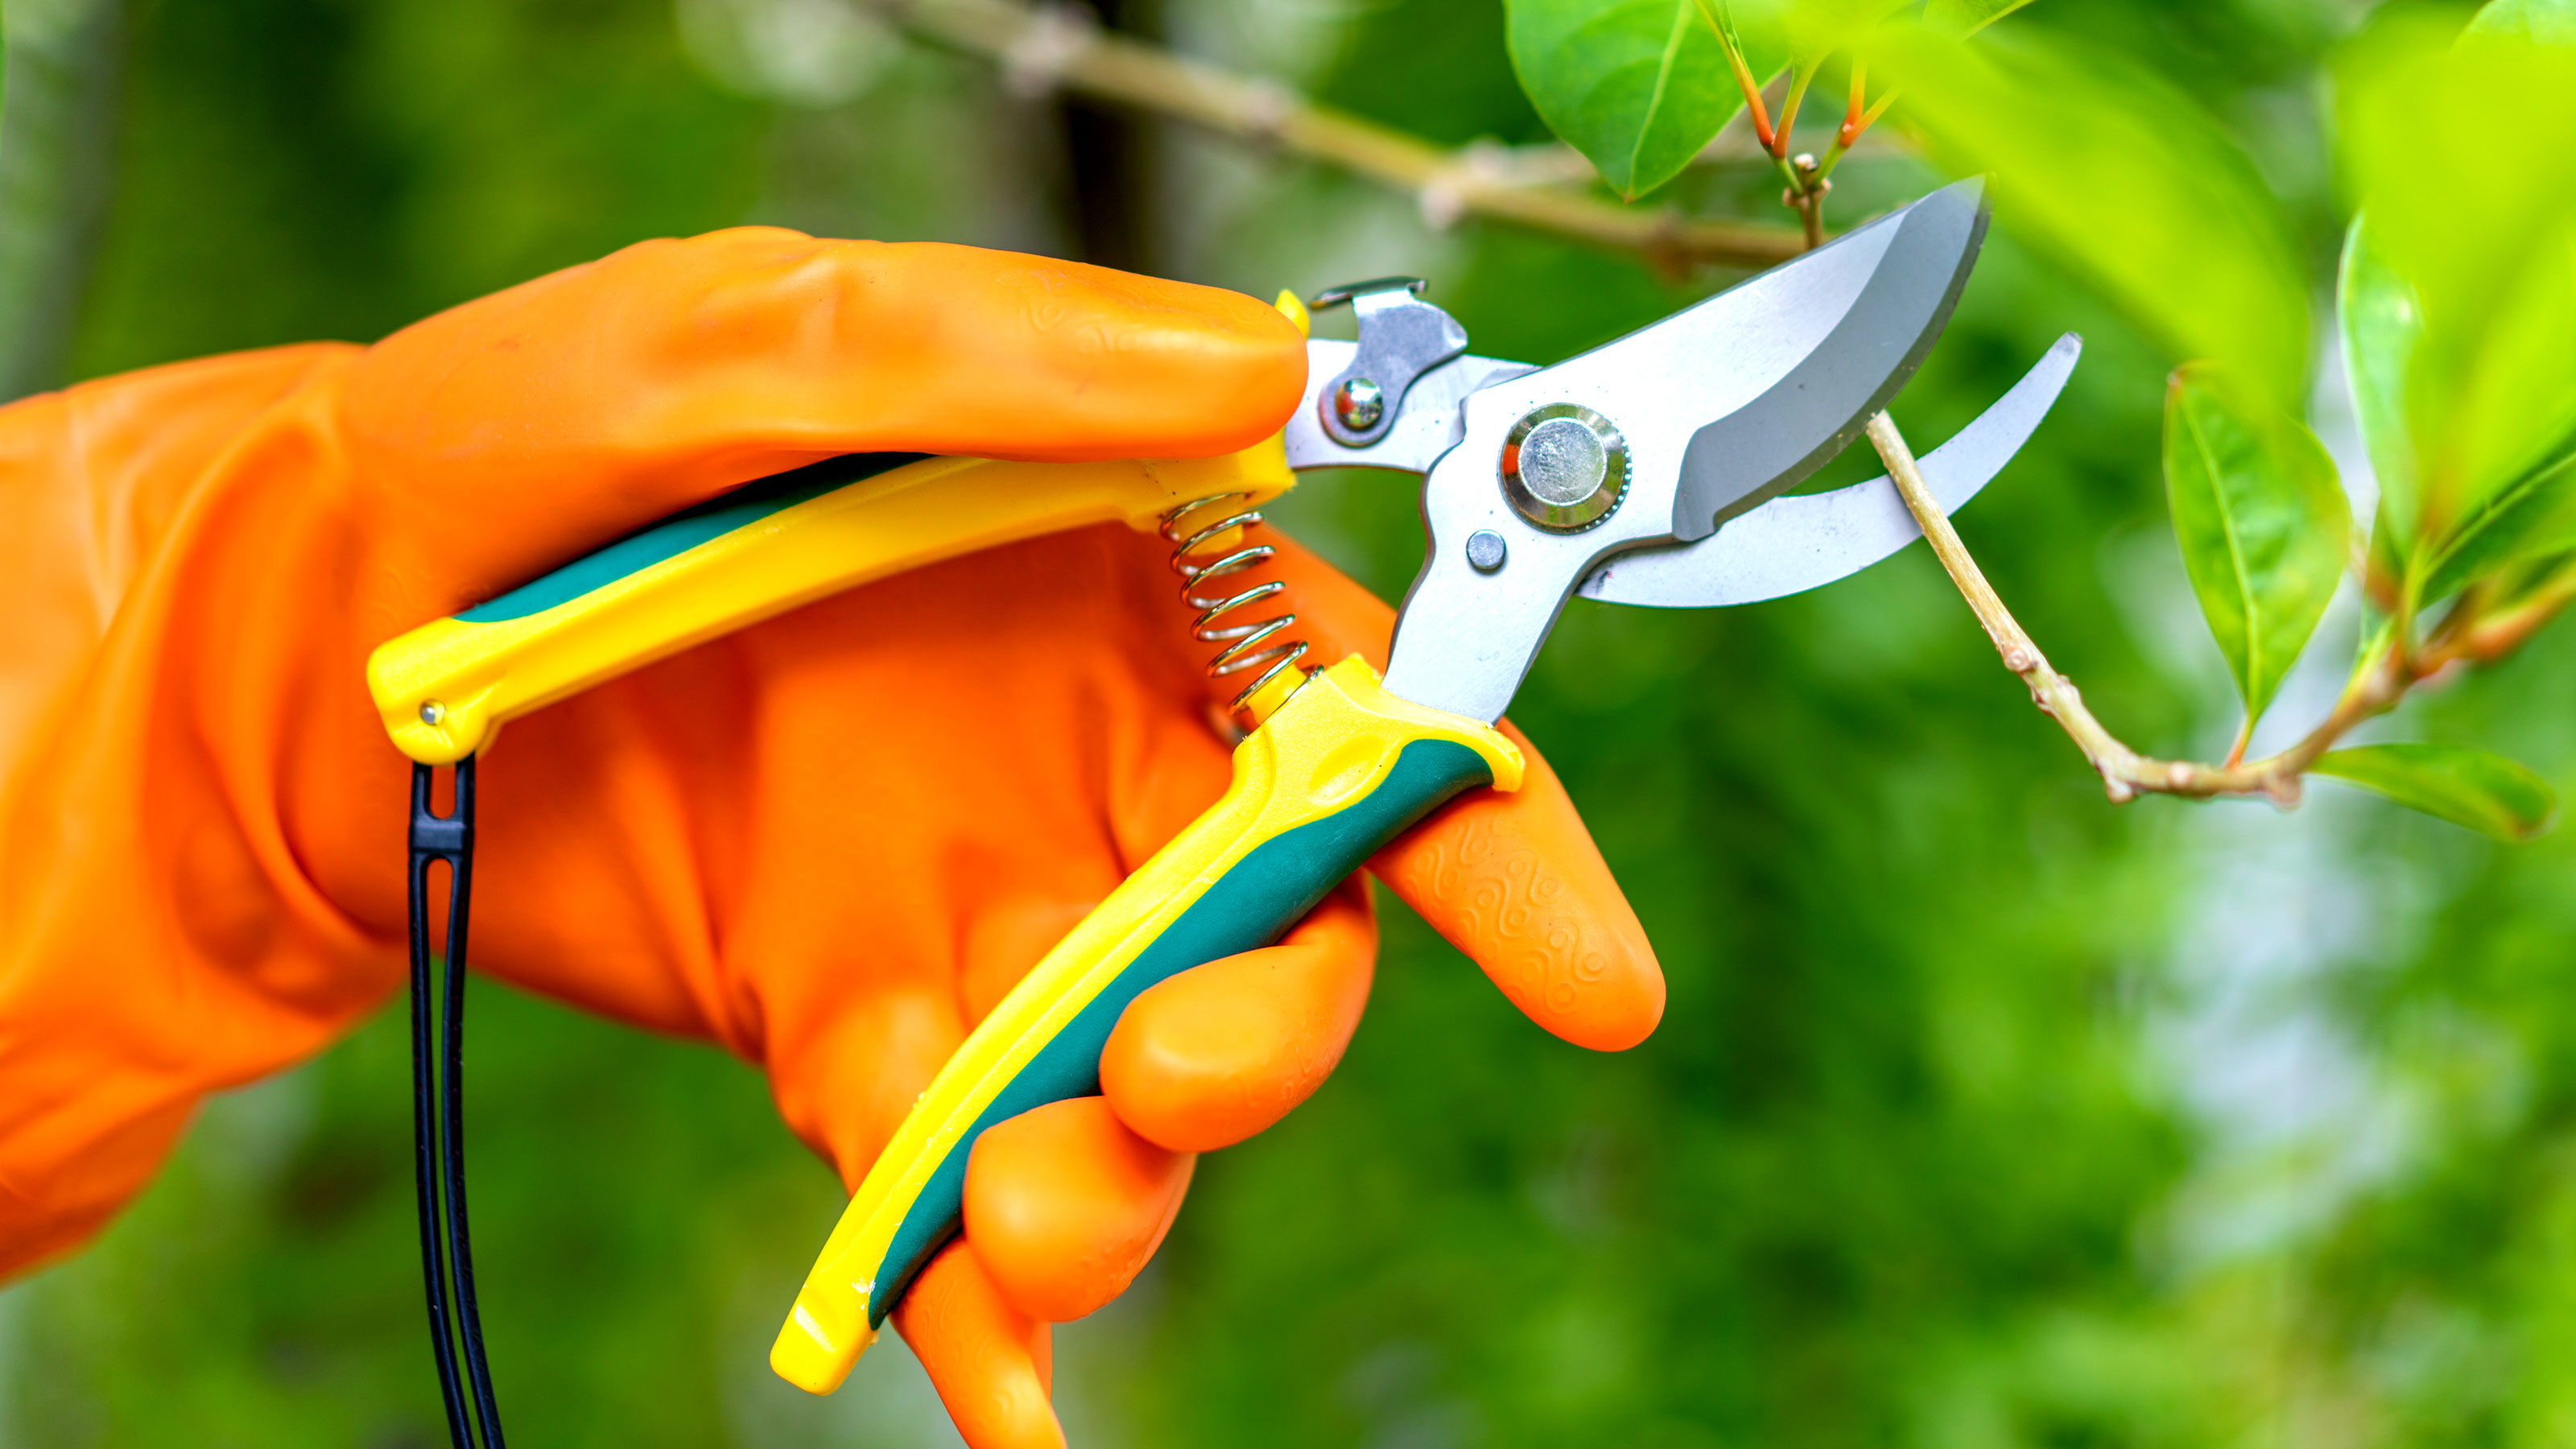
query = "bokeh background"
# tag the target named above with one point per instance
(1985, 1113)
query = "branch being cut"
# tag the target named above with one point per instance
(1042, 49)
(2469, 635)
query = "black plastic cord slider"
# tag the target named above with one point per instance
(438, 1111)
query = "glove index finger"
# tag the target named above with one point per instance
(576, 407)
(1515, 881)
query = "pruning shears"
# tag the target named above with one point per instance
(1652, 470)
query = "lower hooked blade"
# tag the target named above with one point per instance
(1800, 541)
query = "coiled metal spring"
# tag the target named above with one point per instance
(1211, 539)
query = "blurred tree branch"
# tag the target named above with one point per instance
(1045, 48)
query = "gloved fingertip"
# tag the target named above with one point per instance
(1515, 881)
(1065, 1205)
(1222, 1051)
(990, 1362)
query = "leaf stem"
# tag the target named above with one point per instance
(1713, 11)
(1799, 80)
(1849, 136)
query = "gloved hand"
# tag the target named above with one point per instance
(831, 842)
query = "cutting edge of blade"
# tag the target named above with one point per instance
(1802, 541)
(1943, 232)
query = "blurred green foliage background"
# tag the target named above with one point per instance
(1984, 1113)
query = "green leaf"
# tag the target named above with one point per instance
(2534, 580)
(2462, 157)
(2483, 791)
(1720, 14)
(1966, 17)
(1637, 86)
(2124, 180)
(2380, 322)
(2516, 398)
(2262, 522)
(2529, 518)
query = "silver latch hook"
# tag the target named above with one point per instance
(1401, 338)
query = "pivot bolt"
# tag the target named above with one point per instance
(1486, 550)
(1564, 467)
(1563, 462)
(431, 712)
(1359, 403)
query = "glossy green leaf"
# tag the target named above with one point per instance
(2262, 522)
(1966, 17)
(2485, 792)
(1637, 86)
(2462, 157)
(2124, 180)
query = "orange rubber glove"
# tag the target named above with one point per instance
(830, 842)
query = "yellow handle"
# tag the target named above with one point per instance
(1339, 770)
(444, 688)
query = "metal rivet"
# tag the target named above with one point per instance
(1486, 550)
(1359, 403)
(431, 712)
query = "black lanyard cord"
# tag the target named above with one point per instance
(438, 1109)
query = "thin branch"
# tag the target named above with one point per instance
(1805, 195)
(1043, 49)
(1755, 111)
(1851, 137)
(1798, 80)
(2054, 693)
(2466, 637)
(1856, 113)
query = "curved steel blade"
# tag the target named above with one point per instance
(1799, 542)
(1716, 408)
